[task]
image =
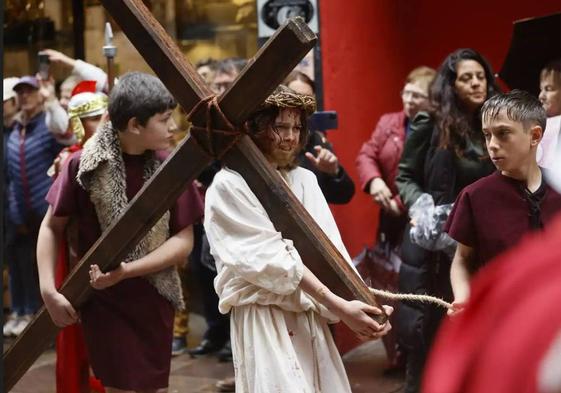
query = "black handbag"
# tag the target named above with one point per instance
(379, 268)
(379, 265)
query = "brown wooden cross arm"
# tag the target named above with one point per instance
(263, 73)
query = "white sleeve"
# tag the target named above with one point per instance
(87, 71)
(241, 235)
(315, 203)
(57, 123)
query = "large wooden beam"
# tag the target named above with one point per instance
(269, 67)
(181, 167)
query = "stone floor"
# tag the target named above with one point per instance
(364, 366)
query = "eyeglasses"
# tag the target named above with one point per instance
(413, 94)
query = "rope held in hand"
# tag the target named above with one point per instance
(411, 297)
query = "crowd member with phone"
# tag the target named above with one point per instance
(318, 155)
(55, 115)
(44, 64)
(80, 71)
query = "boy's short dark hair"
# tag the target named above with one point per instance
(138, 95)
(519, 106)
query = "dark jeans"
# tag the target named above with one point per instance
(218, 329)
(24, 281)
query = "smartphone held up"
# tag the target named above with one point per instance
(44, 63)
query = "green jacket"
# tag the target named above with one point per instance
(426, 168)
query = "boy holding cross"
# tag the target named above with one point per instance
(128, 322)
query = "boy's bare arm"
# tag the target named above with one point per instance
(459, 274)
(50, 235)
(172, 252)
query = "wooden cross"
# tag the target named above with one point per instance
(259, 78)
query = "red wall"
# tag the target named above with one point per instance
(437, 28)
(368, 46)
(362, 65)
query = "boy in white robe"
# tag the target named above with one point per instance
(279, 310)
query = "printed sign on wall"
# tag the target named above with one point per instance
(272, 13)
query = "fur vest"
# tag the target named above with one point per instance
(102, 174)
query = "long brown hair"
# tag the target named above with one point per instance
(455, 125)
(260, 124)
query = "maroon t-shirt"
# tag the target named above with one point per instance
(68, 199)
(493, 214)
(128, 327)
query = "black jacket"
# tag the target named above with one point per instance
(337, 189)
(427, 168)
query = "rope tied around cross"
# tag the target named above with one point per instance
(217, 125)
(205, 136)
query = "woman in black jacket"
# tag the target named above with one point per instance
(445, 152)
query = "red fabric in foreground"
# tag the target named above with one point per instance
(72, 367)
(498, 342)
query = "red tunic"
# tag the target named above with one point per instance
(127, 327)
(492, 215)
(72, 365)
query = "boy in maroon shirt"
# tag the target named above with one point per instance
(128, 321)
(492, 214)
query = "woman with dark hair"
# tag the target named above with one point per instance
(444, 152)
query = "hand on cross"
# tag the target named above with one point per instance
(61, 311)
(100, 280)
(355, 314)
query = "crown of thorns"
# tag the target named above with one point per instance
(283, 97)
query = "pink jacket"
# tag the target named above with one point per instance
(380, 155)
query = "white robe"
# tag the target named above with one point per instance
(280, 339)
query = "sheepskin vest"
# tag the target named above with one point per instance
(102, 174)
